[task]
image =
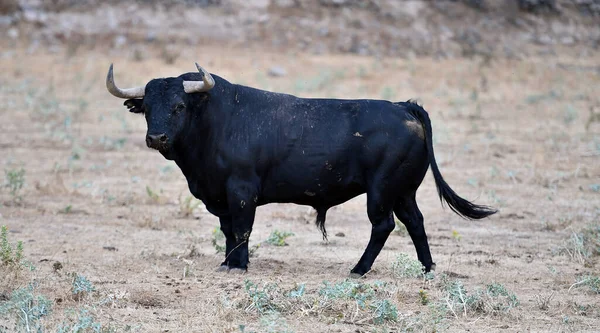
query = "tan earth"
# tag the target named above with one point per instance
(96, 202)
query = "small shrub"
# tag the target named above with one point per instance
(582, 245)
(151, 194)
(494, 298)
(274, 322)
(590, 281)
(424, 297)
(218, 240)
(81, 286)
(348, 289)
(383, 311)
(9, 256)
(15, 180)
(25, 310)
(278, 238)
(259, 297)
(298, 292)
(406, 267)
(187, 205)
(82, 321)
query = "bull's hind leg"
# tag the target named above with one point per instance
(382, 221)
(407, 211)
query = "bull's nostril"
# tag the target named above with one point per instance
(163, 138)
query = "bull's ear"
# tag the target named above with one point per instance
(134, 105)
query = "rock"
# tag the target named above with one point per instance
(340, 234)
(277, 71)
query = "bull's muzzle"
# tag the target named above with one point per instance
(157, 141)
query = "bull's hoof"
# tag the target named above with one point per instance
(355, 276)
(237, 271)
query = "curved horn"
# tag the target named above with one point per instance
(206, 84)
(136, 92)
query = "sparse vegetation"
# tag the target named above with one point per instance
(493, 299)
(81, 286)
(14, 181)
(10, 257)
(581, 246)
(188, 205)
(25, 310)
(154, 197)
(406, 267)
(590, 281)
(278, 238)
(83, 321)
(218, 240)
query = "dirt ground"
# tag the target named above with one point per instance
(514, 134)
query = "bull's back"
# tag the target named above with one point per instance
(327, 146)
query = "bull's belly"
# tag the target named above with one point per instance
(321, 192)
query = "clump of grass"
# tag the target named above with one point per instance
(274, 322)
(8, 255)
(83, 321)
(493, 299)
(278, 238)
(81, 286)
(187, 205)
(24, 310)
(365, 296)
(218, 240)
(151, 194)
(383, 311)
(260, 299)
(424, 297)
(348, 289)
(14, 181)
(590, 281)
(581, 246)
(407, 267)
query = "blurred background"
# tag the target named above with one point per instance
(111, 236)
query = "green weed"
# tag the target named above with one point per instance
(406, 267)
(493, 299)
(590, 281)
(81, 286)
(24, 310)
(218, 240)
(383, 311)
(14, 181)
(278, 238)
(83, 321)
(151, 194)
(259, 297)
(8, 255)
(187, 205)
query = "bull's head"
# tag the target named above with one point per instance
(165, 103)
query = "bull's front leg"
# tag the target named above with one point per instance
(237, 226)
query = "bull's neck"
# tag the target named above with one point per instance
(198, 144)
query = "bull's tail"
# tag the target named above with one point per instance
(460, 206)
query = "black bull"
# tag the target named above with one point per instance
(240, 148)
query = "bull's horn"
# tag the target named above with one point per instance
(206, 84)
(136, 92)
